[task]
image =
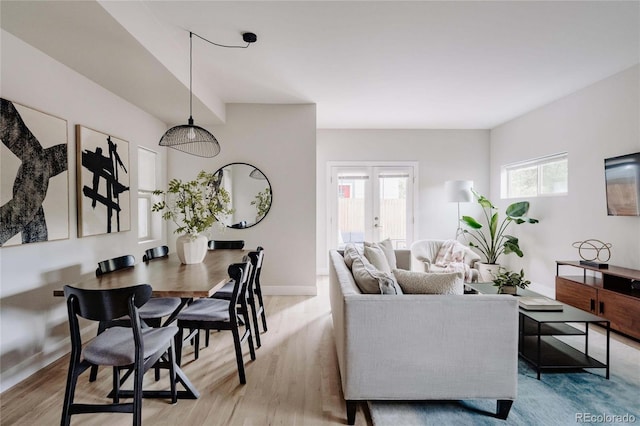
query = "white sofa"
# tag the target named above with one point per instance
(422, 347)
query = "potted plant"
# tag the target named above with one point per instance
(495, 242)
(508, 282)
(194, 207)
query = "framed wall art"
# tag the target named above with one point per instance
(104, 204)
(34, 177)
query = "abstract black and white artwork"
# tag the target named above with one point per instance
(103, 183)
(34, 178)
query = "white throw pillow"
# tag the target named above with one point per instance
(370, 280)
(387, 248)
(412, 282)
(350, 253)
(376, 257)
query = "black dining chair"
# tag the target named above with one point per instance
(226, 244)
(155, 309)
(131, 348)
(253, 291)
(217, 314)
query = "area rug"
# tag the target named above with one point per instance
(566, 398)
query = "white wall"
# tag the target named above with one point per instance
(600, 121)
(34, 323)
(279, 140)
(442, 155)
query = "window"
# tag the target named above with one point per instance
(149, 223)
(533, 178)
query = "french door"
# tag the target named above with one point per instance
(371, 202)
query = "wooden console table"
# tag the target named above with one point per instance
(610, 294)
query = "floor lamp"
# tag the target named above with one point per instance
(458, 191)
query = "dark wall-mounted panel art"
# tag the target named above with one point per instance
(34, 178)
(103, 183)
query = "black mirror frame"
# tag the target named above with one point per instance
(239, 225)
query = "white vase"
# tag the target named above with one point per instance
(487, 272)
(191, 249)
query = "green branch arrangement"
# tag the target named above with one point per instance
(262, 202)
(193, 206)
(496, 242)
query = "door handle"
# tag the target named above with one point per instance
(377, 226)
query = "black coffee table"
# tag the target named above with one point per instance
(537, 344)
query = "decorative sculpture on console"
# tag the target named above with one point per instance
(597, 246)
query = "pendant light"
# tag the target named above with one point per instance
(188, 137)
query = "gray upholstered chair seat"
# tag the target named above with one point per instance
(115, 346)
(159, 307)
(206, 310)
(225, 292)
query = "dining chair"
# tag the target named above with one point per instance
(226, 244)
(115, 264)
(151, 312)
(131, 348)
(217, 314)
(253, 291)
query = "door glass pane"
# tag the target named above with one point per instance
(351, 214)
(392, 219)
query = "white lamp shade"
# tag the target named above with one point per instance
(459, 191)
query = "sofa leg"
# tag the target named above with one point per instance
(351, 411)
(504, 406)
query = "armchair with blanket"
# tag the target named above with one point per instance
(444, 256)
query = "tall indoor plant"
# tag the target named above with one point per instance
(494, 242)
(194, 206)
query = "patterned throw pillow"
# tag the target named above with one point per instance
(412, 282)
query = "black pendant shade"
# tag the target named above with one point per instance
(191, 139)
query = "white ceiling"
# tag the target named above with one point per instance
(366, 64)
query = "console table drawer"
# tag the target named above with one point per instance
(579, 295)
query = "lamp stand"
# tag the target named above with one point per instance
(459, 231)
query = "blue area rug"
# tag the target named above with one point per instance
(566, 398)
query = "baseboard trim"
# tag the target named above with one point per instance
(289, 290)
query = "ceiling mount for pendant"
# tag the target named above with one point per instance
(188, 137)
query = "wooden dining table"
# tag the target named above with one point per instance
(168, 277)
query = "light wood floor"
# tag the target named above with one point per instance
(293, 381)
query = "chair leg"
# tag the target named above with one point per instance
(172, 373)
(238, 348)
(137, 395)
(72, 379)
(116, 385)
(196, 344)
(178, 346)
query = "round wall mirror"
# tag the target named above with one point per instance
(250, 193)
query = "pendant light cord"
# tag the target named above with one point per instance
(190, 76)
(221, 45)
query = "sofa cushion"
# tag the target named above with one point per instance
(370, 280)
(387, 249)
(376, 257)
(412, 282)
(350, 253)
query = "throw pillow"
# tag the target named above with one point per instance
(376, 257)
(412, 282)
(369, 279)
(350, 253)
(387, 248)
